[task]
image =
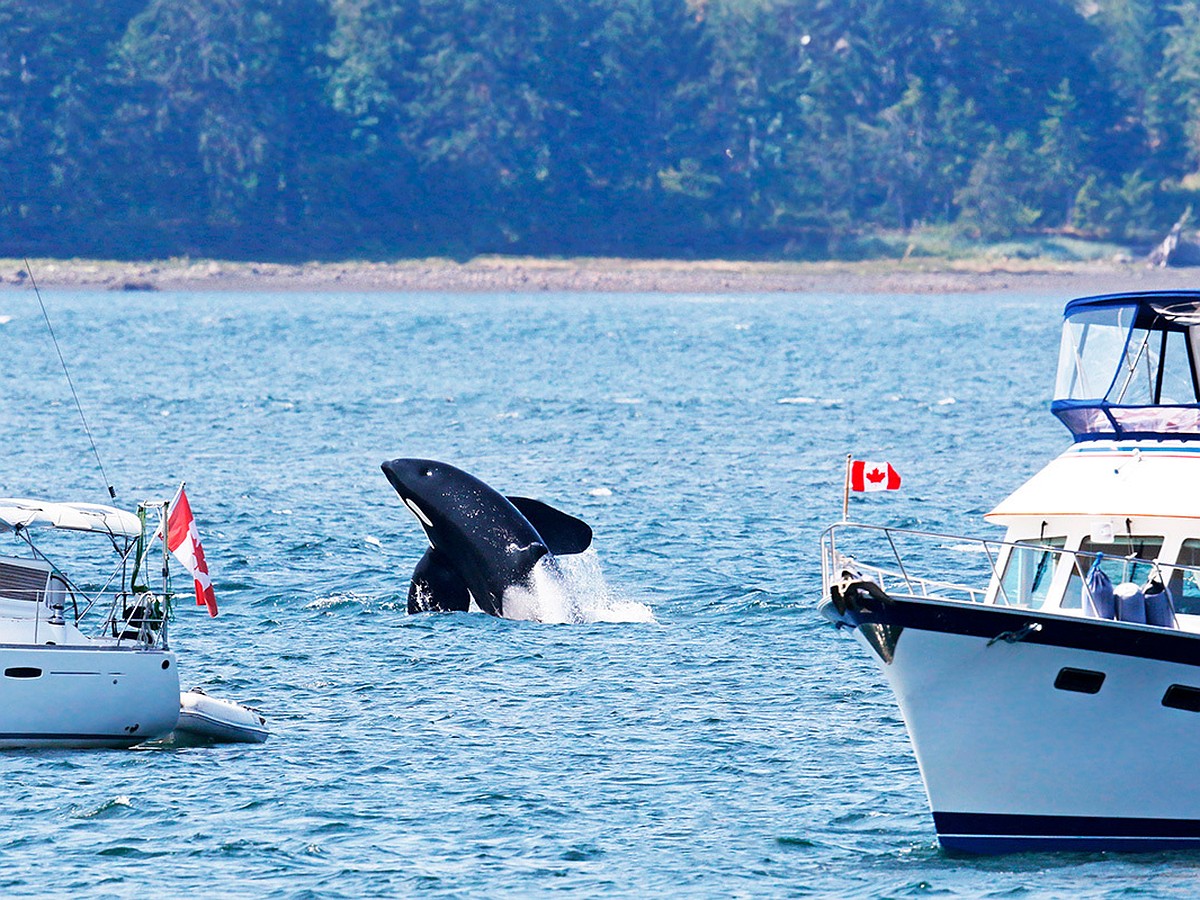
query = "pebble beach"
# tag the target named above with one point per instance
(496, 274)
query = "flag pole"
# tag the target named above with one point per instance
(165, 525)
(846, 491)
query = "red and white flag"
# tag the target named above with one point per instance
(873, 476)
(184, 543)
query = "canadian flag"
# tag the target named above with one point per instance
(184, 543)
(873, 476)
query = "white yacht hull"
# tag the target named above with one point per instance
(1011, 761)
(56, 696)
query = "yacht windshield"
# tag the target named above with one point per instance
(1130, 368)
(1093, 343)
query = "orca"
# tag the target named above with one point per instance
(481, 542)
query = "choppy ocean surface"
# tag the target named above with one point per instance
(734, 745)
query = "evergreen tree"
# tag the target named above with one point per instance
(1131, 53)
(1062, 153)
(53, 56)
(1180, 78)
(997, 201)
(213, 125)
(286, 128)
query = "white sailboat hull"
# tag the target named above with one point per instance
(55, 696)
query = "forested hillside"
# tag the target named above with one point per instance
(281, 129)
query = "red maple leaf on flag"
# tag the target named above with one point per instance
(876, 475)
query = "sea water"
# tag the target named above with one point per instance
(701, 731)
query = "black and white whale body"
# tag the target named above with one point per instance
(481, 543)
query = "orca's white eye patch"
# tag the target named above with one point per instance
(418, 512)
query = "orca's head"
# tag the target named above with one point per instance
(444, 499)
(419, 482)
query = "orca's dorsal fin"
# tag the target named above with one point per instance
(562, 534)
(436, 586)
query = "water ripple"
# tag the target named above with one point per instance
(735, 746)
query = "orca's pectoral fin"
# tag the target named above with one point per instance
(436, 586)
(562, 533)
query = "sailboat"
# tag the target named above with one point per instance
(64, 684)
(85, 657)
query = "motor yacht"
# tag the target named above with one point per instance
(1049, 679)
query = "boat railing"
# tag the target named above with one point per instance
(135, 618)
(138, 613)
(899, 560)
(899, 574)
(116, 602)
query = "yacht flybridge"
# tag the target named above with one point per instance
(63, 683)
(1050, 681)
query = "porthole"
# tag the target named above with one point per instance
(1180, 696)
(1081, 681)
(22, 672)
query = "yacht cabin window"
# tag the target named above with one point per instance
(1029, 573)
(1125, 559)
(1185, 584)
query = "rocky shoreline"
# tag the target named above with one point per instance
(529, 275)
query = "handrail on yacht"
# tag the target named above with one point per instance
(916, 585)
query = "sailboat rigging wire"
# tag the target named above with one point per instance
(111, 490)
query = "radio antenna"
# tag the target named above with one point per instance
(87, 430)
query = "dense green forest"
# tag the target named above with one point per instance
(284, 129)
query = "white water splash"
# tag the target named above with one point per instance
(571, 590)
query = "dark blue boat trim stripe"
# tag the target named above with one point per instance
(1128, 298)
(988, 621)
(969, 844)
(1003, 825)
